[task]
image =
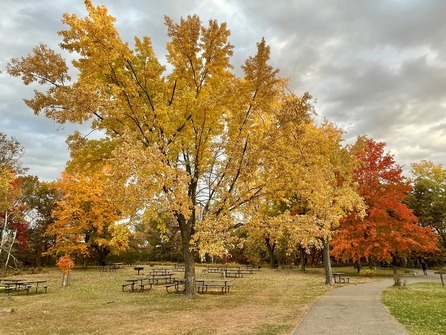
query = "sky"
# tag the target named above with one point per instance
(375, 68)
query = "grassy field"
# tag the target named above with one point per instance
(420, 307)
(266, 302)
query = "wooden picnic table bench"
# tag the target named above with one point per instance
(177, 286)
(232, 273)
(340, 277)
(11, 285)
(15, 286)
(160, 271)
(134, 282)
(214, 269)
(37, 283)
(108, 267)
(203, 285)
(161, 278)
(251, 267)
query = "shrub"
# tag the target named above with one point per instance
(368, 273)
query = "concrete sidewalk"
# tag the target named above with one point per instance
(356, 310)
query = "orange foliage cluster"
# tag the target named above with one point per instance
(390, 228)
(65, 264)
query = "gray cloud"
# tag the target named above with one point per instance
(376, 68)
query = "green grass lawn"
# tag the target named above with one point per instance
(420, 307)
(267, 302)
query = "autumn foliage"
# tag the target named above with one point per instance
(390, 228)
(65, 264)
(85, 219)
(205, 150)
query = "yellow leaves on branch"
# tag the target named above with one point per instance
(149, 180)
(95, 38)
(216, 236)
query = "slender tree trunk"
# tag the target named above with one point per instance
(303, 259)
(65, 278)
(38, 255)
(189, 264)
(327, 263)
(10, 248)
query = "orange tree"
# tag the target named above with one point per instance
(85, 220)
(65, 264)
(389, 229)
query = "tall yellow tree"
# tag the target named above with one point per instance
(313, 166)
(322, 181)
(189, 143)
(85, 220)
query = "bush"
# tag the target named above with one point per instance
(368, 273)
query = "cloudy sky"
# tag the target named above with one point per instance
(376, 68)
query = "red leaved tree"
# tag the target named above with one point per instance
(390, 229)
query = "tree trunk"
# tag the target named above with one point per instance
(327, 263)
(272, 256)
(103, 253)
(65, 279)
(189, 264)
(303, 259)
(358, 266)
(38, 256)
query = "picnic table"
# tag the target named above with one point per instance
(441, 273)
(156, 278)
(37, 282)
(134, 281)
(215, 269)
(178, 286)
(202, 285)
(221, 284)
(341, 279)
(109, 267)
(235, 273)
(160, 271)
(16, 285)
(251, 267)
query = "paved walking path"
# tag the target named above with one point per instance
(356, 310)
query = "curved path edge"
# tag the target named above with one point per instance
(355, 309)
